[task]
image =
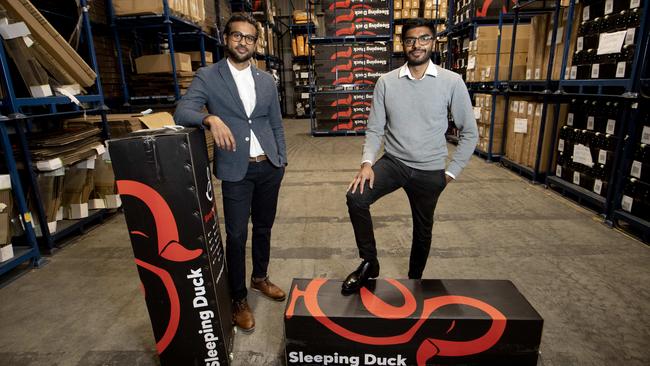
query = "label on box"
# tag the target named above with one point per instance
(602, 157)
(522, 107)
(487, 71)
(611, 126)
(585, 13)
(620, 69)
(595, 71)
(471, 63)
(580, 43)
(609, 6)
(576, 178)
(477, 112)
(538, 110)
(549, 38)
(598, 186)
(531, 108)
(611, 42)
(560, 145)
(574, 73)
(626, 203)
(521, 125)
(635, 4)
(629, 36)
(582, 155)
(645, 135)
(558, 171)
(304, 95)
(590, 122)
(636, 169)
(560, 35)
(515, 106)
(569, 119)
(538, 73)
(529, 74)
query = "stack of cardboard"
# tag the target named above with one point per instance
(56, 149)
(483, 109)
(406, 9)
(435, 9)
(161, 84)
(300, 46)
(359, 64)
(348, 19)
(195, 57)
(40, 53)
(524, 129)
(539, 46)
(192, 10)
(6, 207)
(482, 59)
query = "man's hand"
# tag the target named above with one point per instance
(449, 178)
(365, 174)
(221, 133)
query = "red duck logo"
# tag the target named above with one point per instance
(168, 248)
(430, 347)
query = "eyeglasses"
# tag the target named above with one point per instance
(237, 37)
(423, 40)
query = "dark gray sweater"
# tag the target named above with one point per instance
(411, 115)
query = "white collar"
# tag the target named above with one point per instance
(405, 71)
(235, 71)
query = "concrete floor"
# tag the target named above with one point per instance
(589, 283)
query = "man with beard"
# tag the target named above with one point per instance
(409, 112)
(250, 155)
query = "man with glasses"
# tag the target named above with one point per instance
(243, 115)
(409, 113)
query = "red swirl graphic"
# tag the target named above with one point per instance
(168, 248)
(430, 347)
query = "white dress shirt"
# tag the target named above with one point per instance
(246, 89)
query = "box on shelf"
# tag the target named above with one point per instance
(6, 209)
(151, 64)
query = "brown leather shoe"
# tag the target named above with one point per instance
(268, 289)
(242, 316)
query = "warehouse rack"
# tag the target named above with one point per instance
(22, 113)
(313, 39)
(625, 90)
(172, 29)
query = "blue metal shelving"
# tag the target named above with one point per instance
(168, 25)
(21, 115)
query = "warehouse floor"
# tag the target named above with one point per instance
(589, 283)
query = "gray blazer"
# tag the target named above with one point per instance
(214, 87)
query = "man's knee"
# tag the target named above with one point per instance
(357, 200)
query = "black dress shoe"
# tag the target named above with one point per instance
(355, 280)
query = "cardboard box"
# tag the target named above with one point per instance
(151, 64)
(165, 183)
(195, 56)
(6, 209)
(6, 252)
(406, 322)
(76, 192)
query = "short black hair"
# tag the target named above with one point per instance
(241, 17)
(416, 23)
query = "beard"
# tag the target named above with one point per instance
(239, 57)
(418, 60)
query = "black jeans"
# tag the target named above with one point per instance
(422, 188)
(255, 196)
